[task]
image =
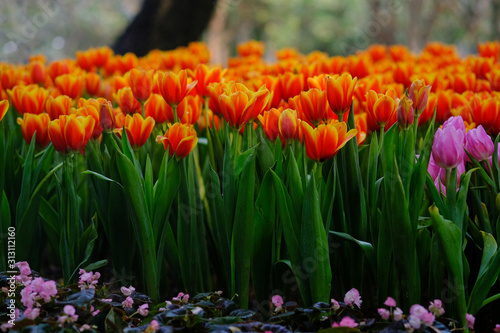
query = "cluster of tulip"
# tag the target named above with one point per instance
(239, 177)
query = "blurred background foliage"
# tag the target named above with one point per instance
(58, 28)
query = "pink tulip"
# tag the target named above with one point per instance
(479, 144)
(457, 123)
(447, 149)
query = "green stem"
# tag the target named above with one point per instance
(175, 114)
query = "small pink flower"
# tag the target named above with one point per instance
(397, 314)
(127, 291)
(154, 326)
(143, 310)
(497, 328)
(390, 302)
(88, 280)
(32, 313)
(479, 144)
(128, 302)
(353, 297)
(6, 327)
(70, 315)
(415, 322)
(335, 304)
(384, 313)
(219, 292)
(346, 322)
(85, 327)
(181, 297)
(277, 301)
(436, 308)
(185, 298)
(95, 312)
(25, 270)
(28, 296)
(470, 320)
(48, 290)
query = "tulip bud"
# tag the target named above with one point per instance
(447, 148)
(405, 113)
(479, 144)
(419, 93)
(107, 116)
(288, 125)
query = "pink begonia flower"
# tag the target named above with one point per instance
(447, 148)
(418, 311)
(127, 291)
(28, 296)
(479, 144)
(470, 320)
(384, 313)
(353, 297)
(415, 322)
(31, 313)
(457, 123)
(346, 322)
(390, 302)
(335, 304)
(497, 328)
(70, 315)
(397, 314)
(6, 327)
(48, 290)
(143, 310)
(219, 292)
(88, 280)
(277, 301)
(436, 308)
(25, 270)
(85, 327)
(181, 297)
(128, 302)
(96, 312)
(154, 326)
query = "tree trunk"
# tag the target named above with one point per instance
(165, 25)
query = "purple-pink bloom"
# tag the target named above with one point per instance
(415, 322)
(127, 291)
(48, 290)
(70, 315)
(447, 148)
(128, 302)
(335, 304)
(397, 314)
(277, 301)
(346, 322)
(25, 270)
(436, 308)
(390, 302)
(470, 320)
(88, 280)
(143, 309)
(31, 313)
(85, 327)
(479, 144)
(353, 297)
(154, 326)
(384, 313)
(457, 123)
(28, 296)
(497, 328)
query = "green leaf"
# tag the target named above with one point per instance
(366, 247)
(243, 230)
(265, 223)
(314, 246)
(96, 265)
(101, 177)
(449, 238)
(294, 183)
(242, 160)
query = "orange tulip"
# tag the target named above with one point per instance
(38, 72)
(58, 106)
(494, 79)
(273, 83)
(107, 119)
(91, 109)
(4, 107)
(489, 50)
(28, 99)
(126, 100)
(179, 139)
(70, 84)
(60, 67)
(158, 109)
(189, 110)
(419, 94)
(270, 123)
(324, 142)
(205, 76)
(137, 128)
(93, 57)
(240, 105)
(486, 113)
(141, 83)
(291, 84)
(71, 133)
(339, 92)
(251, 48)
(314, 107)
(9, 77)
(215, 90)
(381, 107)
(92, 84)
(174, 87)
(35, 122)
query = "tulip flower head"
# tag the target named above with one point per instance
(447, 148)
(31, 123)
(71, 133)
(405, 113)
(479, 144)
(339, 93)
(174, 87)
(179, 139)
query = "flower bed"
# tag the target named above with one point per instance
(301, 178)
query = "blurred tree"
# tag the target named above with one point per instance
(165, 25)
